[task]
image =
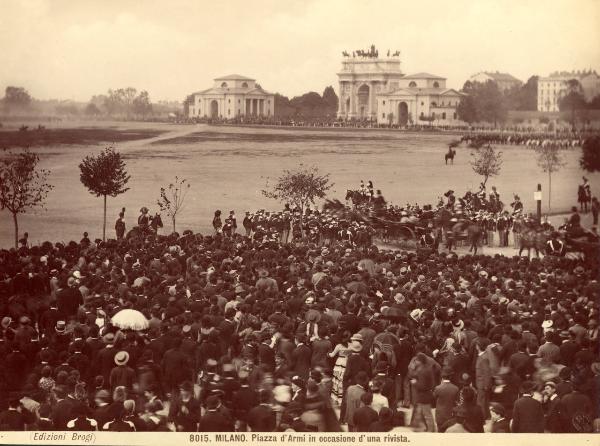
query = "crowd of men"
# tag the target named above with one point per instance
(264, 328)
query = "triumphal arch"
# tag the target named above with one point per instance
(364, 75)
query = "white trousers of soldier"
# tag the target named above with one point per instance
(490, 238)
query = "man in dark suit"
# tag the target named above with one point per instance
(552, 408)
(445, 395)
(528, 414)
(243, 399)
(568, 348)
(63, 409)
(483, 377)
(352, 398)
(266, 354)
(500, 424)
(15, 417)
(69, 299)
(105, 359)
(365, 415)
(577, 409)
(213, 420)
(262, 418)
(176, 367)
(301, 357)
(403, 352)
(356, 362)
(104, 412)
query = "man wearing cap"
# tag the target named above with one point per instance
(552, 408)
(122, 375)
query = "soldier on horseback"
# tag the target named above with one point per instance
(144, 219)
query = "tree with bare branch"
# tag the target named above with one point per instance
(550, 160)
(23, 185)
(486, 161)
(172, 198)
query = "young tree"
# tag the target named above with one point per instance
(590, 154)
(299, 187)
(550, 160)
(171, 198)
(486, 161)
(22, 185)
(104, 175)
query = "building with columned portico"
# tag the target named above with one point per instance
(375, 89)
(230, 97)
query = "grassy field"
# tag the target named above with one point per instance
(35, 137)
(228, 167)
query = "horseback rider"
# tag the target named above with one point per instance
(584, 195)
(144, 219)
(370, 187)
(451, 199)
(517, 206)
(363, 189)
(554, 246)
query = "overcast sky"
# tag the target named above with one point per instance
(74, 49)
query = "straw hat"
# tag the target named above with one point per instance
(121, 358)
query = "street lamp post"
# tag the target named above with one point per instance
(537, 196)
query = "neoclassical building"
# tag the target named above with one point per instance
(232, 96)
(376, 89)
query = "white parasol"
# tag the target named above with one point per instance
(130, 320)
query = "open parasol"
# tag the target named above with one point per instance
(130, 320)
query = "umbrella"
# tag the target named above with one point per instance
(130, 320)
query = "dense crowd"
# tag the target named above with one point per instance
(531, 139)
(244, 332)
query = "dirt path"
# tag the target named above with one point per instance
(137, 143)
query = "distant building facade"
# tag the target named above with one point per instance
(505, 81)
(555, 86)
(231, 96)
(375, 88)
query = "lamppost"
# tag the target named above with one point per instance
(537, 196)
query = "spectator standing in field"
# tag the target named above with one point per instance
(120, 225)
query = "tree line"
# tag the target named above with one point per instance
(121, 102)
(310, 105)
(486, 102)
